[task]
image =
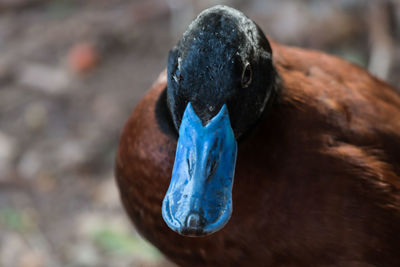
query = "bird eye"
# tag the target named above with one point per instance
(176, 78)
(177, 75)
(246, 75)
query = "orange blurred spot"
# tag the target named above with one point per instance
(82, 57)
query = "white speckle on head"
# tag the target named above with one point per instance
(179, 63)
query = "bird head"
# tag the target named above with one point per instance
(220, 80)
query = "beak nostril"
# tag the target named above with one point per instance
(190, 170)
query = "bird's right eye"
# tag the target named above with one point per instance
(177, 75)
(176, 78)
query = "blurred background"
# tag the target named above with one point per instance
(70, 74)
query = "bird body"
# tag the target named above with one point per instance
(317, 178)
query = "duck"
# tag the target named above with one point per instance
(247, 152)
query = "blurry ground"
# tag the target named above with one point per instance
(70, 74)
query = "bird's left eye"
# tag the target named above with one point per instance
(246, 75)
(176, 77)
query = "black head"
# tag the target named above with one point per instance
(220, 79)
(222, 58)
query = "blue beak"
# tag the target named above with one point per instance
(199, 198)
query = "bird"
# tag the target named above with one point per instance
(247, 152)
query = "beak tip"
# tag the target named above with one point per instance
(194, 224)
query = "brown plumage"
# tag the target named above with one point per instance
(317, 181)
